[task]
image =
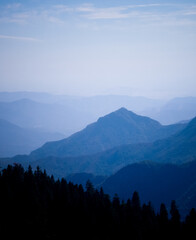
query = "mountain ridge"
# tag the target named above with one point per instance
(17, 140)
(115, 129)
(111, 160)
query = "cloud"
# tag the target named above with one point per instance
(119, 12)
(189, 13)
(167, 14)
(22, 14)
(107, 14)
(85, 8)
(19, 38)
(102, 13)
(13, 6)
(55, 20)
(137, 13)
(145, 5)
(20, 17)
(62, 8)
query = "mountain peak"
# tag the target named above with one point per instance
(128, 115)
(124, 112)
(122, 109)
(115, 129)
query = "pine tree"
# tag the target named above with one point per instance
(32, 202)
(163, 222)
(190, 225)
(163, 216)
(175, 216)
(136, 202)
(175, 224)
(89, 187)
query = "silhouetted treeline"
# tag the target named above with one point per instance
(33, 205)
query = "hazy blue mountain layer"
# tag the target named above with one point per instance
(85, 110)
(179, 148)
(51, 117)
(115, 129)
(62, 113)
(16, 140)
(175, 110)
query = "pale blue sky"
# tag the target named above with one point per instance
(99, 47)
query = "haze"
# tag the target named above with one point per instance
(136, 48)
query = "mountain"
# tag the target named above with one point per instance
(62, 113)
(34, 96)
(179, 148)
(102, 105)
(52, 117)
(115, 129)
(175, 110)
(16, 140)
(155, 182)
(91, 108)
(98, 105)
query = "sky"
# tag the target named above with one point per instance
(136, 48)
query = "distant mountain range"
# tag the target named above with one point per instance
(69, 114)
(98, 105)
(175, 110)
(115, 129)
(16, 140)
(51, 117)
(178, 148)
(61, 113)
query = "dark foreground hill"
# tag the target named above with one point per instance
(118, 128)
(157, 183)
(34, 204)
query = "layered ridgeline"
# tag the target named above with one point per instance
(17, 140)
(50, 117)
(178, 148)
(176, 110)
(115, 129)
(71, 113)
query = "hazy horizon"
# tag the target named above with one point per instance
(88, 48)
(58, 94)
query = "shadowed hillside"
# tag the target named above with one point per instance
(157, 182)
